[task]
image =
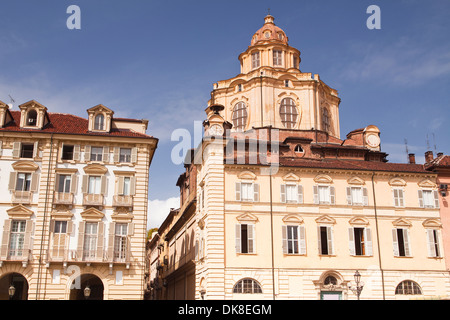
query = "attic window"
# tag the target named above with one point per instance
(31, 118)
(298, 149)
(99, 122)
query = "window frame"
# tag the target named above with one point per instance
(245, 239)
(256, 60)
(239, 116)
(288, 113)
(241, 285)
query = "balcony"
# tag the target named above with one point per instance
(91, 199)
(123, 201)
(63, 198)
(22, 197)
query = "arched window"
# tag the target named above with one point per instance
(325, 119)
(99, 122)
(330, 280)
(408, 287)
(247, 286)
(239, 116)
(288, 113)
(31, 118)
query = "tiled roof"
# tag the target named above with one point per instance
(352, 165)
(69, 124)
(442, 161)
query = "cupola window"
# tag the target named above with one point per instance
(325, 119)
(277, 57)
(288, 113)
(32, 118)
(99, 122)
(255, 60)
(239, 116)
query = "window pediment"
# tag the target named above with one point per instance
(323, 178)
(356, 181)
(401, 222)
(397, 182)
(432, 223)
(359, 221)
(427, 183)
(247, 217)
(92, 214)
(19, 212)
(325, 219)
(122, 215)
(291, 177)
(27, 166)
(292, 219)
(247, 175)
(95, 169)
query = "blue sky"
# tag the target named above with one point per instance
(158, 60)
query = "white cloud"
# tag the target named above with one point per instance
(158, 210)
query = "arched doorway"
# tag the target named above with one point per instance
(13, 286)
(87, 287)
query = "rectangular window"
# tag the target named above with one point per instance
(325, 240)
(23, 182)
(60, 227)
(126, 186)
(291, 193)
(125, 155)
(90, 240)
(401, 242)
(398, 197)
(433, 243)
(360, 241)
(247, 191)
(255, 60)
(292, 239)
(64, 183)
(428, 198)
(96, 153)
(120, 241)
(17, 239)
(94, 186)
(357, 195)
(277, 54)
(27, 150)
(244, 238)
(324, 194)
(67, 152)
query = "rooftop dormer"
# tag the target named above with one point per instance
(33, 115)
(5, 115)
(100, 118)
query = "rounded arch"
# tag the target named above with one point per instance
(31, 119)
(327, 276)
(78, 285)
(247, 286)
(239, 116)
(99, 121)
(16, 282)
(289, 113)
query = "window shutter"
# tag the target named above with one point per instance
(57, 178)
(87, 153)
(436, 199)
(301, 230)
(1, 147)
(395, 242)
(84, 185)
(332, 195)
(34, 182)
(431, 248)
(283, 193)
(130, 230)
(251, 238)
(368, 241)
(365, 197)
(35, 149)
(238, 238)
(76, 152)
(103, 186)
(105, 154)
(27, 240)
(5, 239)
(395, 197)
(284, 237)
(116, 156)
(349, 195)
(16, 150)
(319, 239)
(69, 227)
(80, 245)
(100, 241)
(300, 193)
(73, 183)
(316, 194)
(12, 181)
(111, 235)
(351, 241)
(255, 192)
(132, 186)
(134, 155)
(406, 241)
(330, 240)
(420, 193)
(120, 183)
(238, 191)
(401, 202)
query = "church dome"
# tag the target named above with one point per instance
(269, 32)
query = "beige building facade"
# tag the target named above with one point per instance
(73, 208)
(286, 209)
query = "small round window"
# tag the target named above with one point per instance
(298, 149)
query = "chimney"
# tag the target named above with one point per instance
(440, 154)
(428, 156)
(412, 158)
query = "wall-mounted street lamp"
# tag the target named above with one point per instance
(359, 285)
